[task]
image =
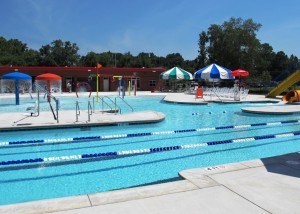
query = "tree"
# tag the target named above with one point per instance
(59, 53)
(266, 57)
(173, 60)
(202, 52)
(126, 60)
(107, 59)
(31, 57)
(89, 60)
(143, 60)
(46, 56)
(14, 52)
(279, 65)
(294, 63)
(232, 44)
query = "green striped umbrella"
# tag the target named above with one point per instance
(176, 74)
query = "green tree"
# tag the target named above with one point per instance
(90, 59)
(59, 53)
(31, 57)
(14, 52)
(280, 64)
(174, 59)
(108, 59)
(190, 65)
(294, 63)
(46, 56)
(126, 60)
(266, 57)
(232, 44)
(143, 60)
(202, 52)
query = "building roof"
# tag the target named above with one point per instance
(79, 69)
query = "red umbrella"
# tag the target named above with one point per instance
(48, 76)
(239, 72)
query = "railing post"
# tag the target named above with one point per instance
(102, 105)
(89, 111)
(116, 104)
(56, 101)
(94, 104)
(77, 111)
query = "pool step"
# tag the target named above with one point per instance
(109, 111)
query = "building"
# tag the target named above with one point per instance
(146, 78)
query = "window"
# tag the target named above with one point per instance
(152, 83)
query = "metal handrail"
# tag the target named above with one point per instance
(102, 98)
(50, 95)
(57, 107)
(77, 110)
(114, 102)
(90, 112)
(124, 102)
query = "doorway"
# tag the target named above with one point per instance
(105, 83)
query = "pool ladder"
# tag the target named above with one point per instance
(111, 102)
(90, 111)
(91, 108)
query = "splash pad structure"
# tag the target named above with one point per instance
(16, 82)
(83, 87)
(48, 83)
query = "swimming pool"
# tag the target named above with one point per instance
(135, 155)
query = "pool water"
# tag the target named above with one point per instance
(27, 182)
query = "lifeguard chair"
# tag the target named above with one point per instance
(199, 93)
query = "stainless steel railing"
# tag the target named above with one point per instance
(77, 110)
(90, 111)
(120, 98)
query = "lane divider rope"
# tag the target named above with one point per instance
(116, 136)
(144, 151)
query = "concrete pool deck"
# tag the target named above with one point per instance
(68, 119)
(268, 185)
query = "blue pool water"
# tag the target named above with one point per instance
(35, 181)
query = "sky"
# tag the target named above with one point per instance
(153, 26)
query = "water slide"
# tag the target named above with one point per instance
(291, 80)
(292, 96)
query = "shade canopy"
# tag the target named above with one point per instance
(16, 76)
(239, 72)
(213, 71)
(176, 74)
(48, 76)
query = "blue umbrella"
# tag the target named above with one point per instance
(213, 71)
(16, 76)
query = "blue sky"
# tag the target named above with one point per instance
(158, 26)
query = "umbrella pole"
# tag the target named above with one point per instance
(17, 92)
